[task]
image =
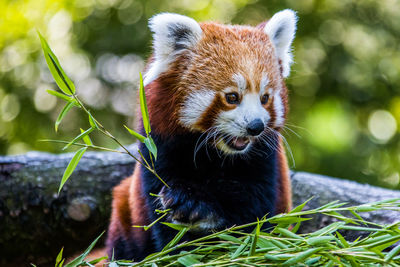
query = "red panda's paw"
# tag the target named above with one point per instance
(187, 210)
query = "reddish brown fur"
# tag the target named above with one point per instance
(284, 193)
(222, 52)
(128, 209)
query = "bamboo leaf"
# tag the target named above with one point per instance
(301, 256)
(143, 107)
(62, 80)
(392, 253)
(265, 243)
(342, 240)
(239, 251)
(318, 240)
(254, 240)
(138, 136)
(176, 239)
(71, 166)
(86, 139)
(62, 96)
(287, 233)
(364, 208)
(88, 131)
(59, 258)
(230, 238)
(301, 206)
(78, 260)
(93, 262)
(92, 121)
(175, 226)
(151, 146)
(188, 260)
(62, 114)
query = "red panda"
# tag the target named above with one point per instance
(217, 101)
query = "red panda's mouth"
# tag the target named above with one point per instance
(237, 143)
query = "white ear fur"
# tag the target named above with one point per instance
(281, 29)
(172, 33)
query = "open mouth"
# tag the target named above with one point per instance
(236, 143)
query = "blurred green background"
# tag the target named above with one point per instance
(344, 86)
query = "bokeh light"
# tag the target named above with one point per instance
(344, 85)
(382, 125)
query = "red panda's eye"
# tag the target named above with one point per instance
(232, 98)
(264, 99)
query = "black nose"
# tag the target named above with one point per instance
(255, 127)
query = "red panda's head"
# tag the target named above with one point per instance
(224, 80)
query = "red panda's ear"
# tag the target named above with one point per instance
(281, 29)
(172, 34)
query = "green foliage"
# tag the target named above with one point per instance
(281, 246)
(71, 166)
(344, 85)
(80, 260)
(67, 87)
(62, 80)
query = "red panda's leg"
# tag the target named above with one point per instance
(284, 188)
(138, 210)
(128, 209)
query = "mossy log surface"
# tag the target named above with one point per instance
(36, 222)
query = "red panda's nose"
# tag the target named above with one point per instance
(255, 127)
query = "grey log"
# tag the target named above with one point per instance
(35, 222)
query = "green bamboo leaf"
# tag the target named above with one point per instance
(319, 240)
(230, 238)
(78, 260)
(175, 226)
(239, 251)
(381, 245)
(92, 122)
(88, 131)
(301, 206)
(333, 227)
(312, 261)
(62, 80)
(265, 243)
(254, 240)
(279, 244)
(356, 215)
(151, 146)
(287, 219)
(71, 166)
(62, 114)
(94, 262)
(342, 240)
(301, 256)
(188, 260)
(366, 208)
(62, 96)
(271, 257)
(296, 227)
(86, 139)
(287, 233)
(143, 107)
(59, 258)
(392, 253)
(176, 239)
(138, 136)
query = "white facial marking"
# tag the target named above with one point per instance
(279, 109)
(241, 81)
(281, 29)
(195, 105)
(173, 33)
(235, 121)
